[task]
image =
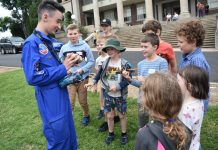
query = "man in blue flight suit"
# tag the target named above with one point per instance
(43, 70)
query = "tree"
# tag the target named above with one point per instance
(5, 23)
(24, 12)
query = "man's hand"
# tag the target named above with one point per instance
(69, 61)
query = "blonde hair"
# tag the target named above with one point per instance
(72, 27)
(101, 39)
(163, 99)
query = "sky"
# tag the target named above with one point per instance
(4, 13)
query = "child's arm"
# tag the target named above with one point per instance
(134, 82)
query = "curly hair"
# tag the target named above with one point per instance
(193, 31)
(163, 99)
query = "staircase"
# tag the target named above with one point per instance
(130, 36)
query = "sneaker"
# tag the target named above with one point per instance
(103, 127)
(109, 139)
(116, 119)
(124, 140)
(85, 121)
(100, 114)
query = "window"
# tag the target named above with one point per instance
(109, 15)
(140, 11)
(127, 14)
(86, 2)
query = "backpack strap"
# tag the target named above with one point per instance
(104, 67)
(156, 129)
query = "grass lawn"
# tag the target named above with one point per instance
(20, 123)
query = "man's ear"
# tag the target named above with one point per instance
(45, 16)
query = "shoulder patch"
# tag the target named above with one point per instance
(43, 49)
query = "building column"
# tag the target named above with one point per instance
(149, 10)
(120, 13)
(160, 16)
(96, 14)
(184, 9)
(76, 11)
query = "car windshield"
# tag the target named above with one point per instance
(17, 39)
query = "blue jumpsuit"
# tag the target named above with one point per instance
(43, 71)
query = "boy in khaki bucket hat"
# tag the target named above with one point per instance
(114, 88)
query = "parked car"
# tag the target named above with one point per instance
(11, 45)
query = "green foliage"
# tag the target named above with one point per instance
(5, 23)
(83, 31)
(24, 14)
(67, 18)
(21, 127)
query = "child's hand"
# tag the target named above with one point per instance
(141, 78)
(88, 85)
(113, 88)
(126, 75)
(94, 88)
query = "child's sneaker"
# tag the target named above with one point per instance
(100, 114)
(103, 127)
(109, 139)
(85, 121)
(124, 139)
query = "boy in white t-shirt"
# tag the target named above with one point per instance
(114, 88)
(100, 43)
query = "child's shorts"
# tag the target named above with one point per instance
(112, 102)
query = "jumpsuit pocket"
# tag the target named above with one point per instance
(57, 130)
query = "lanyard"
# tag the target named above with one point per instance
(50, 50)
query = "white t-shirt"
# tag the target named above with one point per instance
(99, 61)
(191, 115)
(114, 77)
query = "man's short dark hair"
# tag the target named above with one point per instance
(50, 6)
(151, 38)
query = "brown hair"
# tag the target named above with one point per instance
(153, 25)
(193, 31)
(72, 27)
(151, 38)
(163, 99)
(197, 81)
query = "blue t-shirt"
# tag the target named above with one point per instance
(145, 68)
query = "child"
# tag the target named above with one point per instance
(190, 36)
(163, 98)
(114, 88)
(100, 43)
(75, 45)
(164, 50)
(106, 28)
(193, 81)
(151, 64)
